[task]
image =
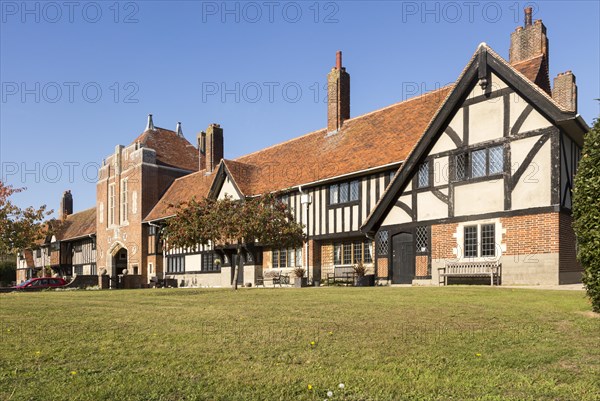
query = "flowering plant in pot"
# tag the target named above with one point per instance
(360, 271)
(299, 279)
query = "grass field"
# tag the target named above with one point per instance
(453, 343)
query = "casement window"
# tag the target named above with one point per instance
(176, 264)
(344, 192)
(38, 253)
(111, 205)
(77, 247)
(480, 240)
(79, 270)
(383, 243)
(93, 269)
(124, 205)
(479, 163)
(290, 257)
(421, 240)
(284, 199)
(208, 262)
(349, 253)
(423, 175)
(93, 245)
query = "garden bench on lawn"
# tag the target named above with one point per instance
(276, 277)
(341, 275)
(489, 269)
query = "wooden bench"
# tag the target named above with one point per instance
(276, 277)
(341, 275)
(489, 269)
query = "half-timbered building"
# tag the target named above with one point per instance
(478, 171)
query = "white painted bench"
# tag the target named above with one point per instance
(489, 269)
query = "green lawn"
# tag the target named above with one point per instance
(453, 343)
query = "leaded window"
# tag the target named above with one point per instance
(354, 252)
(337, 254)
(344, 192)
(422, 240)
(347, 254)
(470, 239)
(334, 190)
(383, 245)
(175, 264)
(354, 190)
(208, 262)
(496, 160)
(290, 257)
(461, 166)
(478, 163)
(423, 176)
(488, 240)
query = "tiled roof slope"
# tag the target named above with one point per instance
(375, 139)
(171, 149)
(536, 71)
(78, 225)
(182, 190)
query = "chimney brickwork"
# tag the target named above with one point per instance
(66, 205)
(528, 42)
(565, 91)
(214, 147)
(201, 138)
(338, 95)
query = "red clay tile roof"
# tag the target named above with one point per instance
(182, 190)
(78, 225)
(171, 149)
(535, 69)
(318, 155)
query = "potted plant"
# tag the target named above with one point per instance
(299, 279)
(360, 271)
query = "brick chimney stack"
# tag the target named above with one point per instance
(565, 91)
(201, 138)
(66, 205)
(214, 147)
(528, 42)
(338, 95)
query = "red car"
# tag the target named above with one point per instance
(40, 283)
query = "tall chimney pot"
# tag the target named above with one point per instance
(528, 14)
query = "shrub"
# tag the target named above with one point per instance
(586, 214)
(8, 273)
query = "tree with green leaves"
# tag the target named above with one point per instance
(586, 213)
(262, 220)
(19, 228)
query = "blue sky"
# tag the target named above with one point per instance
(79, 78)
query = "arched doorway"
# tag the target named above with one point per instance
(118, 259)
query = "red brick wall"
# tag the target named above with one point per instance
(382, 267)
(531, 234)
(568, 254)
(421, 265)
(443, 241)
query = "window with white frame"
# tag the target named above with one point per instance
(479, 240)
(124, 206)
(290, 257)
(344, 192)
(354, 252)
(111, 205)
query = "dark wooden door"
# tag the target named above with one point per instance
(403, 259)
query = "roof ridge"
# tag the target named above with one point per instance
(534, 85)
(350, 119)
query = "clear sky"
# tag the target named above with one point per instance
(80, 77)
